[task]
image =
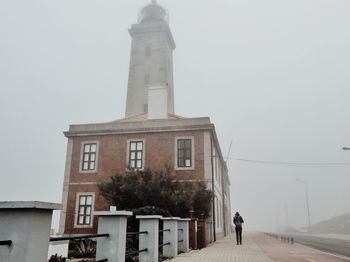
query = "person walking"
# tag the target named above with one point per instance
(238, 221)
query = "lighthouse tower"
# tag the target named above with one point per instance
(151, 59)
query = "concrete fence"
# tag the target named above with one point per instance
(25, 226)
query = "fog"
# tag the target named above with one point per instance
(272, 75)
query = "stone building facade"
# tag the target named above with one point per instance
(150, 136)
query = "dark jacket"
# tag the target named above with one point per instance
(238, 220)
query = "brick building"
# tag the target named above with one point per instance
(150, 136)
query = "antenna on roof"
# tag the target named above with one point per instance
(229, 150)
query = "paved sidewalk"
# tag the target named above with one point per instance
(257, 248)
(226, 250)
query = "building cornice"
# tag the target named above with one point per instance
(148, 126)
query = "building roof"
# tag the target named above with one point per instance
(144, 117)
(140, 124)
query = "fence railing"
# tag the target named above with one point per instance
(180, 230)
(53, 239)
(134, 253)
(110, 247)
(5, 242)
(56, 239)
(283, 238)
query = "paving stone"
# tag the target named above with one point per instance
(226, 250)
(257, 248)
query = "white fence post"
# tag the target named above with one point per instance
(113, 223)
(170, 236)
(183, 227)
(27, 224)
(149, 240)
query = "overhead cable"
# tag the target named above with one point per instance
(301, 164)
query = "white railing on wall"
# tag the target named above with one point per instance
(24, 228)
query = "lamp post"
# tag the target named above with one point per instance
(346, 148)
(307, 202)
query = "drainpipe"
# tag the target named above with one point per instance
(213, 186)
(223, 193)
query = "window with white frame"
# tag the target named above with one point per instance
(136, 155)
(84, 214)
(89, 157)
(184, 153)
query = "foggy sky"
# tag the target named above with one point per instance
(273, 76)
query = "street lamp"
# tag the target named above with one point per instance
(307, 202)
(346, 148)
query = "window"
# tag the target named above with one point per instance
(184, 153)
(89, 157)
(135, 154)
(84, 216)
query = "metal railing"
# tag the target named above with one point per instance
(5, 242)
(283, 238)
(53, 239)
(136, 252)
(180, 229)
(161, 240)
(109, 247)
(164, 244)
(136, 233)
(165, 230)
(133, 253)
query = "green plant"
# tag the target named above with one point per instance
(160, 189)
(83, 248)
(56, 258)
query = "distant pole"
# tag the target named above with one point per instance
(307, 202)
(229, 150)
(286, 213)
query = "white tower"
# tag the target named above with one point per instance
(151, 59)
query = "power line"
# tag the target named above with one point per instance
(296, 164)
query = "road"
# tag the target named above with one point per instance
(338, 244)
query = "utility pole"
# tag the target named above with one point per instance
(307, 202)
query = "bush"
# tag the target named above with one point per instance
(56, 258)
(82, 248)
(159, 189)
